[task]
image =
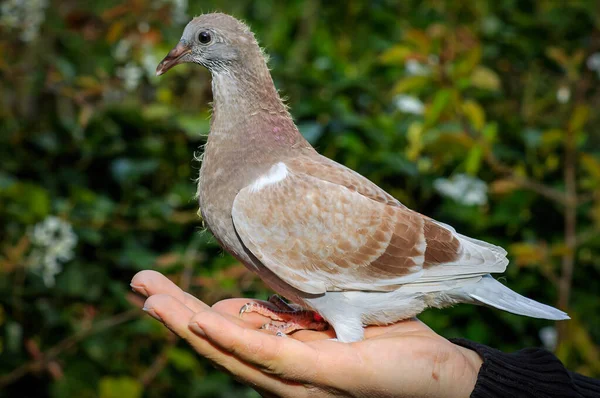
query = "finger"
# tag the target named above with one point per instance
(176, 316)
(149, 283)
(170, 311)
(284, 357)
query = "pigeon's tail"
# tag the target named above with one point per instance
(490, 292)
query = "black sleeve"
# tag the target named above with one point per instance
(532, 373)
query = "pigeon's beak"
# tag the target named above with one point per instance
(174, 57)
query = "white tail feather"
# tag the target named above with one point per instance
(490, 292)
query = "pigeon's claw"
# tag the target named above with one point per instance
(262, 310)
(286, 318)
(281, 329)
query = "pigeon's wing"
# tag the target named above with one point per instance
(320, 236)
(326, 169)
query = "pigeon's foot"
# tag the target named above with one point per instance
(287, 318)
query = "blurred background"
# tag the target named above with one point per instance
(482, 114)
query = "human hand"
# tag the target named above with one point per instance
(406, 359)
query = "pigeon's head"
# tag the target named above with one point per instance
(215, 41)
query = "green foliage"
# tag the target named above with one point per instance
(97, 171)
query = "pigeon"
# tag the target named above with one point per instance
(342, 250)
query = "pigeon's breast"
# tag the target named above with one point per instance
(220, 181)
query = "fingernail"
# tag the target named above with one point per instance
(152, 313)
(194, 327)
(139, 289)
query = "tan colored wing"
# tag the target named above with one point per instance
(319, 236)
(328, 170)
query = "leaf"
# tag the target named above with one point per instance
(469, 62)
(485, 78)
(474, 113)
(558, 55)
(490, 132)
(439, 104)
(312, 131)
(591, 165)
(527, 254)
(412, 83)
(552, 138)
(117, 387)
(183, 360)
(579, 118)
(415, 144)
(473, 160)
(419, 39)
(395, 55)
(194, 125)
(115, 31)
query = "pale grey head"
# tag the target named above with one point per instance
(216, 41)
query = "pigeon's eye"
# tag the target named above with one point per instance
(204, 37)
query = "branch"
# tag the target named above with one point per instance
(541, 189)
(65, 344)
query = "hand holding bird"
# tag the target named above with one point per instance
(406, 359)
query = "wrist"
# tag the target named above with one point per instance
(468, 379)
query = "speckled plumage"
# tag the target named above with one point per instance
(315, 231)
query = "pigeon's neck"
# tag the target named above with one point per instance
(247, 109)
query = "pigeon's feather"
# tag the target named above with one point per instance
(320, 236)
(315, 231)
(491, 292)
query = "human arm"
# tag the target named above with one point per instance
(530, 372)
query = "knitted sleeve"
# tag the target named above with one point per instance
(531, 373)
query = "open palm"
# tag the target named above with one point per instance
(406, 359)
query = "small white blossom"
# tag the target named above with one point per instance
(24, 15)
(415, 68)
(549, 337)
(53, 242)
(593, 63)
(409, 104)
(463, 188)
(122, 49)
(149, 62)
(563, 95)
(131, 74)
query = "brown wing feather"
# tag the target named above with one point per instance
(442, 245)
(319, 236)
(328, 170)
(321, 227)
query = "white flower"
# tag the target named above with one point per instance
(563, 94)
(122, 49)
(415, 68)
(53, 243)
(149, 62)
(24, 15)
(463, 189)
(131, 74)
(549, 337)
(593, 63)
(409, 104)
